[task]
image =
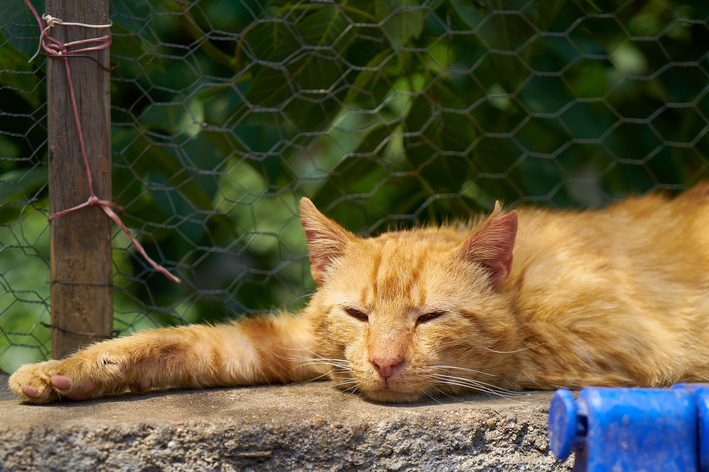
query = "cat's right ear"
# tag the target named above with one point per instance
(491, 244)
(326, 240)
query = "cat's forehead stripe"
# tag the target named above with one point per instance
(396, 272)
(376, 263)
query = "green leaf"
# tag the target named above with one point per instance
(471, 12)
(17, 73)
(21, 183)
(126, 43)
(494, 157)
(10, 213)
(366, 79)
(187, 22)
(162, 161)
(403, 23)
(180, 122)
(272, 41)
(354, 170)
(323, 27)
(272, 86)
(547, 13)
(437, 119)
(438, 126)
(506, 32)
(224, 142)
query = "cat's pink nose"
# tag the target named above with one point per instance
(386, 367)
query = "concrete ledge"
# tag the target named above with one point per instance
(297, 427)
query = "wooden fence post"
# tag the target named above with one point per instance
(81, 262)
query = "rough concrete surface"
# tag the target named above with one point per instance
(296, 427)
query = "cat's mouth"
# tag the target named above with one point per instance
(390, 390)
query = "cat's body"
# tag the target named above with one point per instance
(541, 300)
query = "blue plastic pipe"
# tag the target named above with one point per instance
(632, 429)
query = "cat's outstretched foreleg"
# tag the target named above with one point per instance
(248, 352)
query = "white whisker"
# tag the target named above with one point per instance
(443, 392)
(479, 389)
(345, 382)
(352, 389)
(459, 368)
(432, 397)
(305, 361)
(477, 382)
(476, 385)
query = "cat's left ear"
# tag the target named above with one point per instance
(326, 240)
(491, 244)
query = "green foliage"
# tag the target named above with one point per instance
(384, 112)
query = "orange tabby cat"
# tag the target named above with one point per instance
(618, 296)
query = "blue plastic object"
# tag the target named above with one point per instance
(632, 429)
(564, 426)
(701, 394)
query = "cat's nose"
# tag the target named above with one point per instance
(386, 367)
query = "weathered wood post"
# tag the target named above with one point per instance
(81, 267)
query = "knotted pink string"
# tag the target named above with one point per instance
(55, 48)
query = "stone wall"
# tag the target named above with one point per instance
(296, 427)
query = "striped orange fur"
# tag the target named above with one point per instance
(532, 299)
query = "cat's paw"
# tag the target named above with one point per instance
(33, 382)
(73, 378)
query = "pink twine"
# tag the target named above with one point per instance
(55, 48)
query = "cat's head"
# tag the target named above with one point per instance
(413, 313)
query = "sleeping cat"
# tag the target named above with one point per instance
(533, 299)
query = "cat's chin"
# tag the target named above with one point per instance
(392, 396)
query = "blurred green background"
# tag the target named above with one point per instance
(386, 113)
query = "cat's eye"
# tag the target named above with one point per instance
(428, 317)
(357, 314)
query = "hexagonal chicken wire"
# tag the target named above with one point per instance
(384, 112)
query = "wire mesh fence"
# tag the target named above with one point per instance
(386, 113)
